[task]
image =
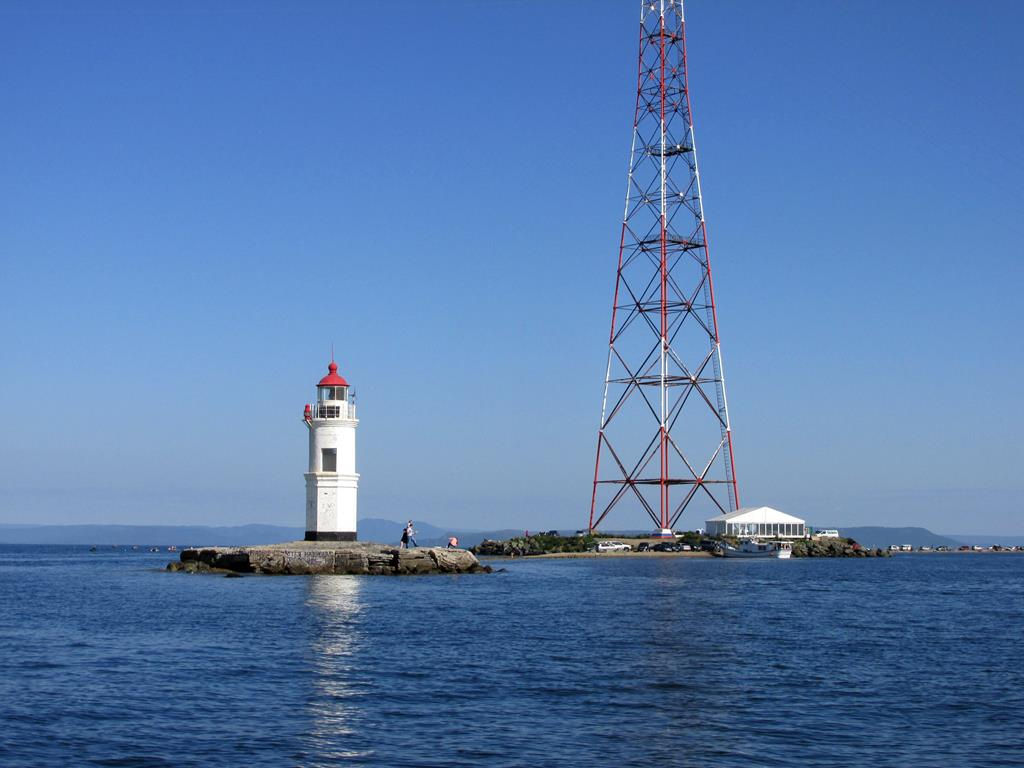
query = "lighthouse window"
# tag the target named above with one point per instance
(329, 459)
(333, 393)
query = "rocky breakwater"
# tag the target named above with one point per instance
(537, 544)
(306, 557)
(834, 548)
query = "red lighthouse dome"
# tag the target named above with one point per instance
(332, 379)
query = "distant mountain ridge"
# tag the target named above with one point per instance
(879, 536)
(370, 529)
(390, 532)
(187, 535)
(989, 540)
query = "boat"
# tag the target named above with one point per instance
(754, 548)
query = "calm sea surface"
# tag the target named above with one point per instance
(909, 661)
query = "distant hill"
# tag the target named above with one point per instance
(188, 535)
(989, 540)
(879, 536)
(386, 532)
(390, 532)
(370, 529)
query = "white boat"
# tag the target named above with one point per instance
(755, 548)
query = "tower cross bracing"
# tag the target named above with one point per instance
(664, 414)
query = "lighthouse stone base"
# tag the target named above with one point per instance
(309, 557)
(330, 535)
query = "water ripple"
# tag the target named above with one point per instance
(915, 660)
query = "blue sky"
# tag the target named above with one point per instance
(197, 199)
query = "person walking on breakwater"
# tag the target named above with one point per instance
(452, 542)
(404, 544)
(409, 535)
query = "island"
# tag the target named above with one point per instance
(327, 557)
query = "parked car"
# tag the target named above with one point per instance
(643, 546)
(708, 545)
(613, 546)
(685, 548)
(665, 546)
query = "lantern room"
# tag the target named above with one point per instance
(332, 386)
(333, 399)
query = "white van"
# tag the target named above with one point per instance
(827, 533)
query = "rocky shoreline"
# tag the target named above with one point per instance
(834, 548)
(535, 545)
(552, 546)
(311, 557)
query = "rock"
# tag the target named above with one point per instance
(420, 562)
(268, 562)
(535, 544)
(351, 562)
(833, 548)
(453, 560)
(311, 557)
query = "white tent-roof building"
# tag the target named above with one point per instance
(756, 521)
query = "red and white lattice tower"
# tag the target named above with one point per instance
(664, 417)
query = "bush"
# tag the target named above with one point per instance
(537, 544)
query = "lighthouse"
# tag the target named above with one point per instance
(331, 482)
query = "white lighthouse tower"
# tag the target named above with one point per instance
(331, 482)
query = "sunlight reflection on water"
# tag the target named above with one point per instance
(333, 707)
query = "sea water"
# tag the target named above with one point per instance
(915, 660)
